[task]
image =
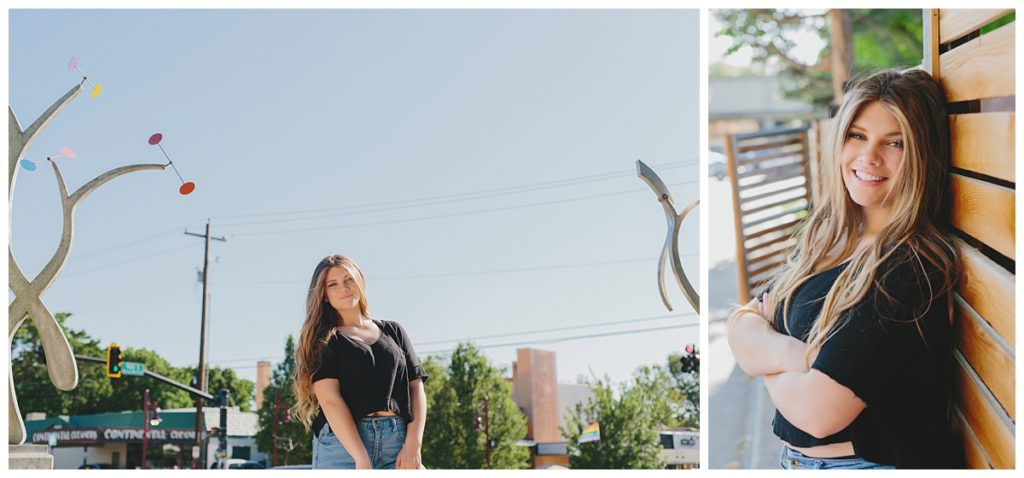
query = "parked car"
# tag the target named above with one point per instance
(239, 464)
(96, 466)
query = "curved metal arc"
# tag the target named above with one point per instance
(651, 178)
(677, 266)
(669, 252)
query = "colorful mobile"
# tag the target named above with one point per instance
(186, 187)
(64, 153)
(73, 65)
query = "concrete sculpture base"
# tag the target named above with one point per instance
(29, 457)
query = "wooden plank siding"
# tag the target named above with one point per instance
(986, 212)
(988, 288)
(984, 416)
(955, 24)
(984, 143)
(979, 68)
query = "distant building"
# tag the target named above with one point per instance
(115, 439)
(547, 403)
(535, 389)
(746, 104)
(681, 448)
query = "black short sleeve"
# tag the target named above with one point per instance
(329, 364)
(883, 333)
(412, 362)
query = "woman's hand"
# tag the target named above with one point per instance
(364, 463)
(408, 458)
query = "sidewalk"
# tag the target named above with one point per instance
(740, 411)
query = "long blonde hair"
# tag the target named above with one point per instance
(920, 211)
(318, 328)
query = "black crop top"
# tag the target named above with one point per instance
(880, 356)
(374, 377)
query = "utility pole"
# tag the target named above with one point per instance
(484, 423)
(201, 370)
(487, 430)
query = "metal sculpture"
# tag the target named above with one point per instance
(670, 251)
(27, 304)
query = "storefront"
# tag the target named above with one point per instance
(115, 440)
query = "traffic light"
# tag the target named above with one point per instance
(691, 360)
(114, 361)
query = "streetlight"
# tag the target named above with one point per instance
(486, 425)
(146, 422)
(279, 405)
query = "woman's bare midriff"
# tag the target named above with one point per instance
(833, 450)
(382, 414)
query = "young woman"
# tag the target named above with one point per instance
(854, 335)
(358, 375)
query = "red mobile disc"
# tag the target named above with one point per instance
(155, 139)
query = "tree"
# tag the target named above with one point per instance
(129, 390)
(455, 396)
(685, 372)
(241, 390)
(294, 443)
(629, 423)
(882, 38)
(95, 392)
(31, 380)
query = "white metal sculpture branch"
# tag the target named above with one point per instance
(670, 250)
(27, 304)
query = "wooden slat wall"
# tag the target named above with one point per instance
(985, 211)
(981, 67)
(770, 177)
(955, 24)
(984, 143)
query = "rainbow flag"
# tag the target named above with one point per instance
(591, 432)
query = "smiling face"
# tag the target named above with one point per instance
(341, 289)
(871, 157)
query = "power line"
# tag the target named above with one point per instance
(466, 195)
(558, 329)
(568, 339)
(135, 259)
(120, 247)
(450, 215)
(131, 301)
(529, 332)
(466, 273)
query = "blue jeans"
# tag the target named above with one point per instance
(791, 459)
(383, 438)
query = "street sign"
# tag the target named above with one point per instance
(137, 369)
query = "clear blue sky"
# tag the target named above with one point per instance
(292, 123)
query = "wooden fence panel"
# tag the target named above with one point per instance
(771, 193)
(984, 143)
(980, 68)
(977, 72)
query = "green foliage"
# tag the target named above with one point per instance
(687, 412)
(882, 38)
(294, 443)
(95, 392)
(455, 396)
(630, 422)
(242, 391)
